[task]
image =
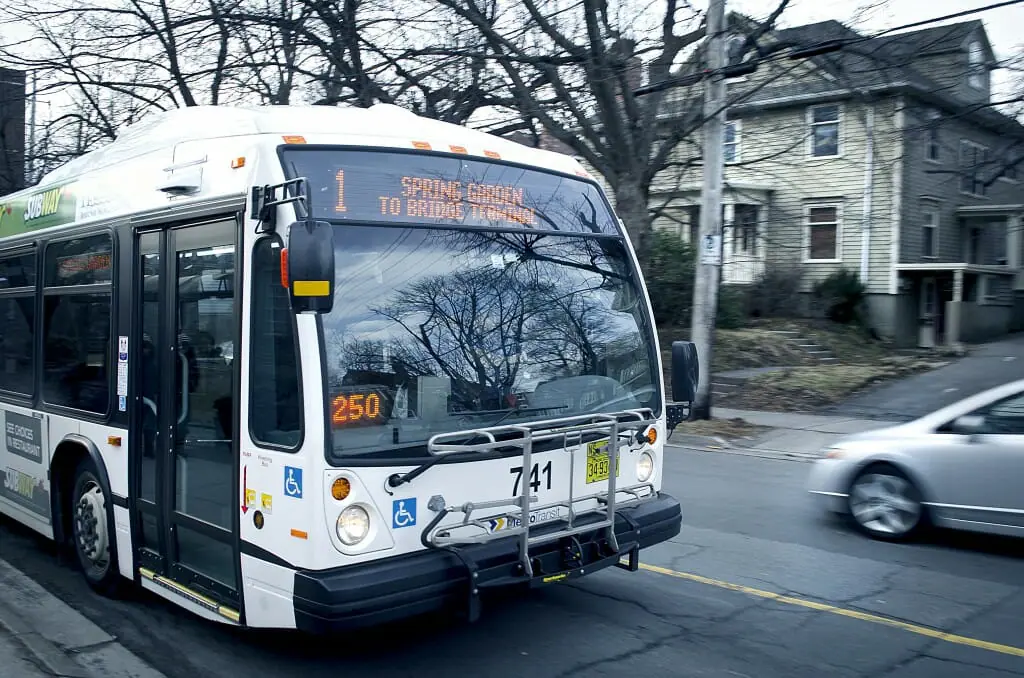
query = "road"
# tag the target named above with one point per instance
(758, 584)
(986, 366)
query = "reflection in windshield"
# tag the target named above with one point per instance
(439, 330)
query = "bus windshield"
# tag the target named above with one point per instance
(440, 329)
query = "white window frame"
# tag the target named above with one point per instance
(976, 64)
(961, 167)
(806, 249)
(838, 122)
(738, 126)
(932, 139)
(931, 220)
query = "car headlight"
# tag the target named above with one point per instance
(353, 525)
(833, 453)
(644, 467)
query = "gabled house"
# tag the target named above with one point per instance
(885, 158)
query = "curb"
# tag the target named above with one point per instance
(60, 638)
(715, 444)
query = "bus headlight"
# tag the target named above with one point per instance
(644, 467)
(353, 525)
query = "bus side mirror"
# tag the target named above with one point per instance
(310, 266)
(685, 375)
(685, 371)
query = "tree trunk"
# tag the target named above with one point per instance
(631, 203)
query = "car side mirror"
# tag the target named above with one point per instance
(685, 370)
(970, 425)
(309, 266)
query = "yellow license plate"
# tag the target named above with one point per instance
(598, 463)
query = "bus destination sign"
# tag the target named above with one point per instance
(438, 190)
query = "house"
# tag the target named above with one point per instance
(886, 158)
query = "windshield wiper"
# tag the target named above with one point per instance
(396, 479)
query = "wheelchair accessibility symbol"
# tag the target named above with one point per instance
(293, 482)
(403, 513)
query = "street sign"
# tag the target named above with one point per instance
(711, 250)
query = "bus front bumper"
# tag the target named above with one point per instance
(394, 588)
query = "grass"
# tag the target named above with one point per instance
(728, 429)
(807, 388)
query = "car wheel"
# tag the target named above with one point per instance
(91, 521)
(885, 504)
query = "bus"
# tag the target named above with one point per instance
(320, 368)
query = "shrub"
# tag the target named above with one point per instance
(733, 303)
(776, 293)
(669, 270)
(841, 296)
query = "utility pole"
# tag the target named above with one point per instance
(709, 246)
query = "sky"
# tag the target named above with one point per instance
(1005, 26)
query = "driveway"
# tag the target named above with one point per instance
(987, 365)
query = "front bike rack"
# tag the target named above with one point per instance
(571, 432)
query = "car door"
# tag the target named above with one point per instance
(979, 478)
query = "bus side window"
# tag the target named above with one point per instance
(76, 323)
(275, 410)
(17, 323)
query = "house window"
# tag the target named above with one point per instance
(822, 233)
(972, 157)
(932, 147)
(929, 233)
(976, 65)
(744, 237)
(732, 141)
(693, 223)
(1011, 170)
(824, 132)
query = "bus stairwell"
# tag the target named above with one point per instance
(550, 551)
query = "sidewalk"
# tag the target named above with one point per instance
(40, 635)
(793, 435)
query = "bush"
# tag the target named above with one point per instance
(841, 296)
(669, 269)
(776, 293)
(733, 310)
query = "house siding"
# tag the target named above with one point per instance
(938, 184)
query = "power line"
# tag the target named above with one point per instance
(811, 50)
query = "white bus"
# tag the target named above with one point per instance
(317, 368)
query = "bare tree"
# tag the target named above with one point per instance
(571, 69)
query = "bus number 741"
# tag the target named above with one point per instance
(535, 474)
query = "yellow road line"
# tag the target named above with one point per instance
(841, 611)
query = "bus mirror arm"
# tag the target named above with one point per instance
(265, 201)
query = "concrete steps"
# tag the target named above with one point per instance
(806, 344)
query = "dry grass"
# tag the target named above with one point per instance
(721, 428)
(806, 388)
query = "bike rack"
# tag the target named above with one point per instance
(571, 431)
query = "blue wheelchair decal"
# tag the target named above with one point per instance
(293, 482)
(403, 513)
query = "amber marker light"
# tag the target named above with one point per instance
(340, 488)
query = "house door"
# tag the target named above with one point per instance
(928, 313)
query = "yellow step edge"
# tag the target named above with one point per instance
(194, 596)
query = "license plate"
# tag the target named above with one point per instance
(598, 463)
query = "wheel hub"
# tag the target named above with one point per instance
(91, 525)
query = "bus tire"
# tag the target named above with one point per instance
(92, 532)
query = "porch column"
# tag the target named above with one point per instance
(954, 309)
(1013, 245)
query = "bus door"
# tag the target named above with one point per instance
(185, 411)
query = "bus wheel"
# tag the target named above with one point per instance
(91, 522)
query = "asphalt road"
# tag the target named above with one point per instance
(986, 366)
(709, 605)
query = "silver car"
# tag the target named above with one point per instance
(960, 467)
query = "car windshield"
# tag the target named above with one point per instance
(438, 330)
(470, 293)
